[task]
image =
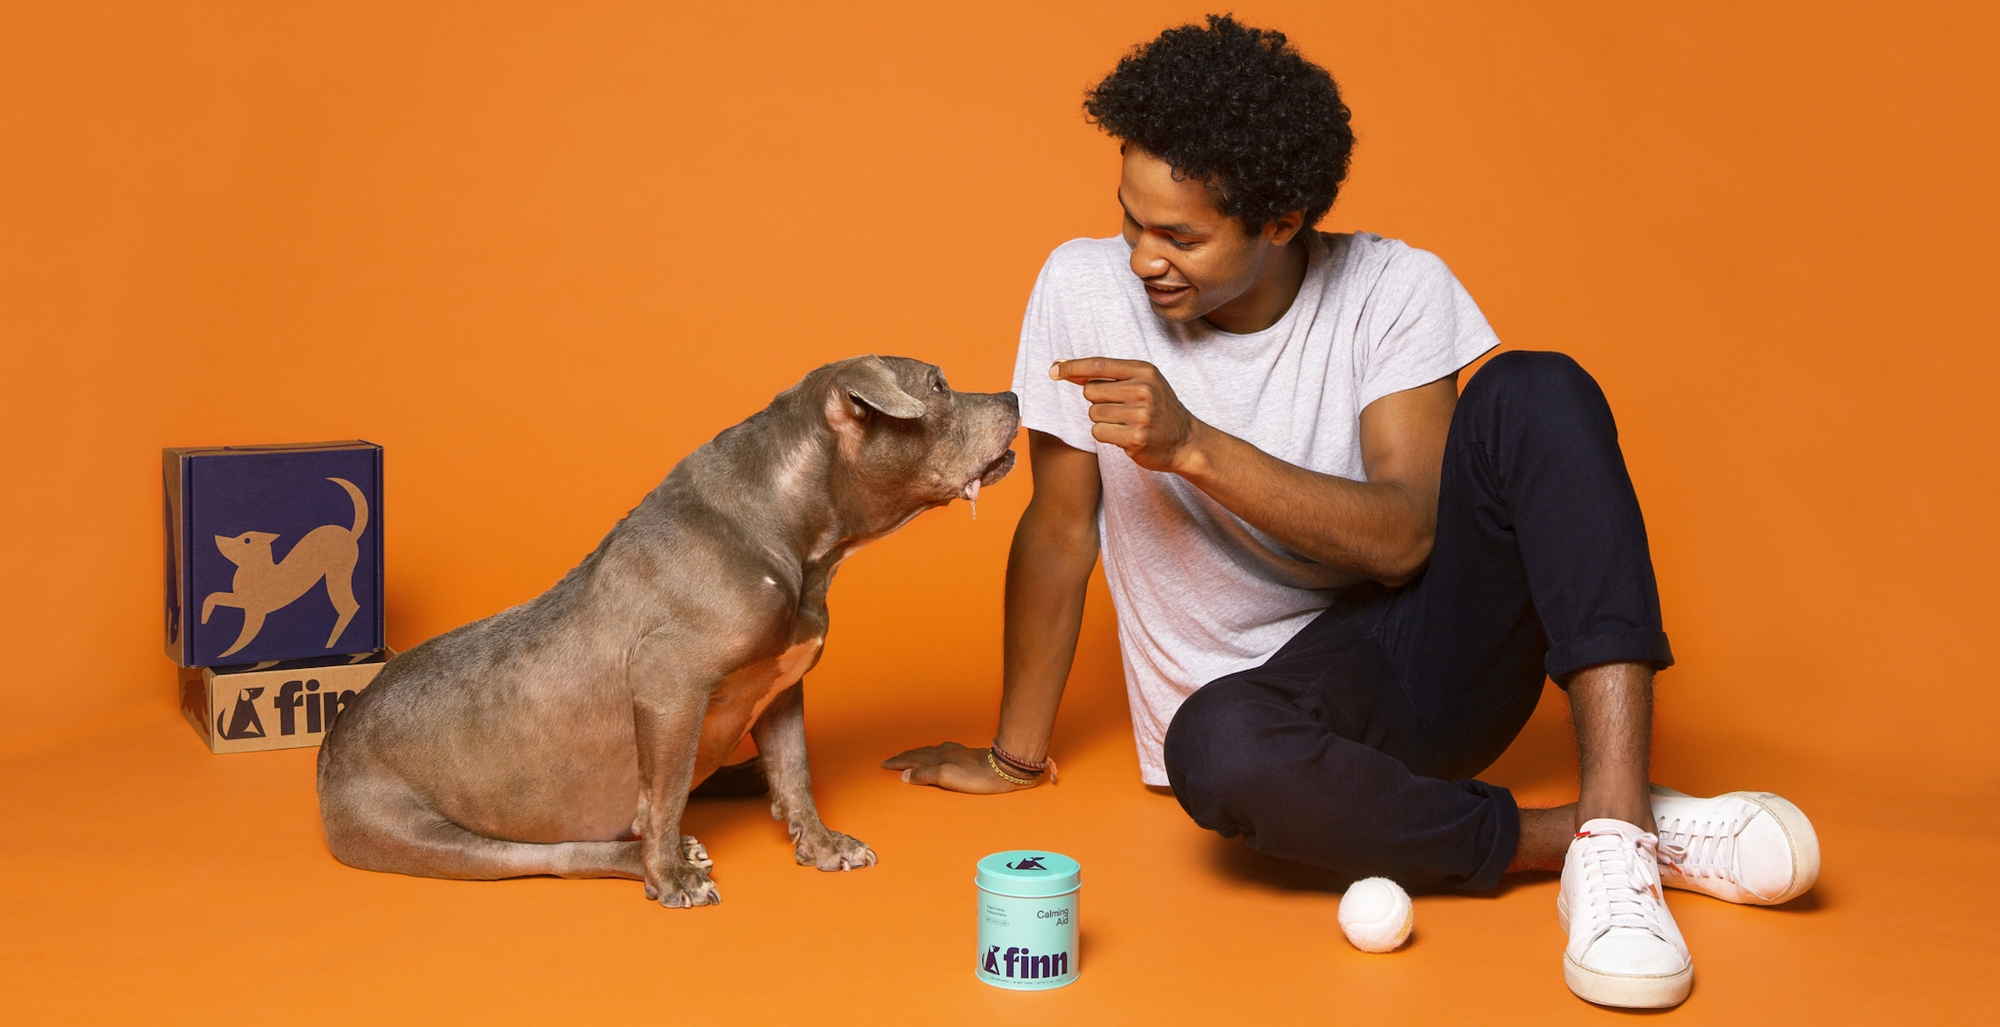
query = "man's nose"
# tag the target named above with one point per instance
(1147, 261)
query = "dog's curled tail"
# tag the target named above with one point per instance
(360, 506)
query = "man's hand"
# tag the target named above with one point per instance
(952, 767)
(1132, 407)
(1380, 527)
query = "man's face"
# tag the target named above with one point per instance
(1192, 258)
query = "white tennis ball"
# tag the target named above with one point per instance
(1376, 914)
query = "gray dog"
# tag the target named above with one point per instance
(563, 736)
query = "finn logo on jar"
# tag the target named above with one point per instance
(1027, 937)
(1032, 967)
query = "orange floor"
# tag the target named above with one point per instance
(539, 251)
(148, 881)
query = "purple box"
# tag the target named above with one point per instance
(273, 552)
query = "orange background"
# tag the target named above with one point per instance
(540, 252)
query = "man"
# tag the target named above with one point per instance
(1338, 583)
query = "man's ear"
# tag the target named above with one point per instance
(867, 384)
(1286, 228)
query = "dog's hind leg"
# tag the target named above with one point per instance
(253, 622)
(373, 831)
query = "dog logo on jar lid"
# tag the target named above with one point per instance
(1031, 863)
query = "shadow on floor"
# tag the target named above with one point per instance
(1230, 857)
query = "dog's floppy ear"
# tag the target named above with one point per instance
(869, 383)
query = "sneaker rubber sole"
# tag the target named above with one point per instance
(1804, 842)
(1623, 991)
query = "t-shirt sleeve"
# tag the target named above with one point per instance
(1055, 407)
(1420, 325)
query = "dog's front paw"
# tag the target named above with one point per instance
(683, 882)
(831, 850)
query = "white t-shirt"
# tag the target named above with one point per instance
(1200, 593)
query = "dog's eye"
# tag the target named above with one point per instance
(938, 385)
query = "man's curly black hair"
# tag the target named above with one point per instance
(1236, 107)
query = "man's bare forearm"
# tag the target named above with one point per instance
(1379, 530)
(1048, 569)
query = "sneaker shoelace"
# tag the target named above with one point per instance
(1624, 881)
(1695, 847)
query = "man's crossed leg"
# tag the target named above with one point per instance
(1353, 748)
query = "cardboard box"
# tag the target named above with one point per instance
(277, 705)
(273, 552)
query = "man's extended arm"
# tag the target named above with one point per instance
(1381, 528)
(1055, 547)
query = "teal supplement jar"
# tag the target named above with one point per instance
(1027, 919)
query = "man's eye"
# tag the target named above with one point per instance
(1179, 245)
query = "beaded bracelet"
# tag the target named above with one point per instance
(1016, 761)
(1019, 770)
(993, 762)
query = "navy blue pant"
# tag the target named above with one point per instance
(1354, 746)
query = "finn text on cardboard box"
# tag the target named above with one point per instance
(277, 705)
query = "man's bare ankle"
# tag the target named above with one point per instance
(1545, 837)
(1640, 816)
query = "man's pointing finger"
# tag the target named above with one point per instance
(1087, 369)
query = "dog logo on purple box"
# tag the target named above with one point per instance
(264, 585)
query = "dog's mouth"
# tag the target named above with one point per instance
(997, 469)
(993, 472)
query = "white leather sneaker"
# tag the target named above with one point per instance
(1751, 847)
(1624, 949)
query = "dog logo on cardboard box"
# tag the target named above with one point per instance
(262, 585)
(243, 719)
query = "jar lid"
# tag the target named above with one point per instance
(1028, 873)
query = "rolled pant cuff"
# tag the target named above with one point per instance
(1507, 839)
(1643, 646)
